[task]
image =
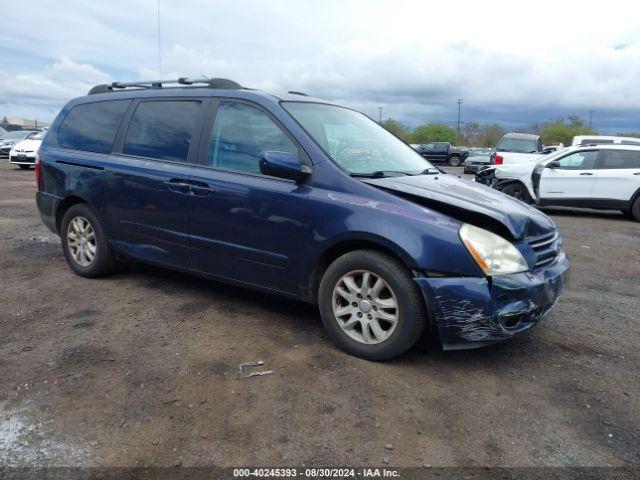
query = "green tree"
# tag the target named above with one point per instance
(397, 128)
(559, 131)
(434, 132)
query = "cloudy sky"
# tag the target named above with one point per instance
(511, 64)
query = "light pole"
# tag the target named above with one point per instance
(459, 106)
(590, 118)
(379, 114)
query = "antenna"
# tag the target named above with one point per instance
(159, 44)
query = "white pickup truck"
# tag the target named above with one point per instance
(514, 148)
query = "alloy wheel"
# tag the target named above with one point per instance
(365, 307)
(81, 241)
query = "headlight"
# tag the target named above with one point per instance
(494, 254)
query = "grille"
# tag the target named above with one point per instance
(547, 248)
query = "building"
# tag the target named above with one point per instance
(22, 124)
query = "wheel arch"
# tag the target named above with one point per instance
(634, 197)
(65, 205)
(339, 248)
(511, 181)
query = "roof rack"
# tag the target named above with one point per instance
(220, 83)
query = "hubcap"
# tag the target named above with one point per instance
(81, 241)
(365, 307)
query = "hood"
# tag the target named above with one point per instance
(469, 202)
(27, 145)
(518, 157)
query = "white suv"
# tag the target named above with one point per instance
(591, 176)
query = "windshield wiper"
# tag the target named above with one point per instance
(431, 171)
(380, 174)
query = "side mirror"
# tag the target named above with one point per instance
(283, 165)
(554, 164)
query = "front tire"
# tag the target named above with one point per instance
(455, 161)
(517, 191)
(84, 242)
(370, 306)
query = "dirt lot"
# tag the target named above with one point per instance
(140, 369)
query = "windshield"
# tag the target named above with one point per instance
(355, 142)
(480, 153)
(519, 145)
(558, 153)
(14, 135)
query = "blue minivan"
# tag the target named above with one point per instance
(300, 197)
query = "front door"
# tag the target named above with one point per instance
(572, 178)
(244, 225)
(147, 180)
(441, 151)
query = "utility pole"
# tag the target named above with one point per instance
(459, 106)
(590, 118)
(159, 45)
(379, 114)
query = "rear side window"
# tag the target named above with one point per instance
(618, 159)
(162, 129)
(92, 126)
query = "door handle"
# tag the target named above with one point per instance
(637, 173)
(202, 189)
(178, 185)
(586, 173)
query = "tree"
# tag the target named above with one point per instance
(434, 132)
(489, 135)
(397, 128)
(559, 131)
(469, 133)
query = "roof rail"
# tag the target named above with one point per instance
(220, 83)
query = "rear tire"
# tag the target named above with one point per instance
(635, 209)
(517, 191)
(84, 242)
(371, 328)
(455, 161)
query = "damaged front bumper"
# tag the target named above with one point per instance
(472, 312)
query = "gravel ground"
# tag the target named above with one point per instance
(140, 369)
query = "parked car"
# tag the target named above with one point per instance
(478, 159)
(10, 138)
(604, 139)
(517, 148)
(594, 176)
(257, 190)
(443, 152)
(23, 153)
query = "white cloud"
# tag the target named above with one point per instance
(42, 94)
